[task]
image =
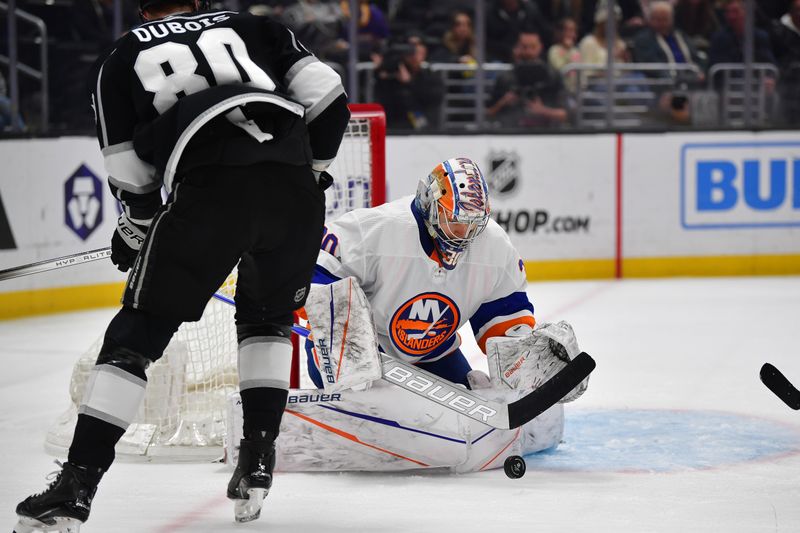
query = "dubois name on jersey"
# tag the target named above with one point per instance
(417, 305)
(215, 87)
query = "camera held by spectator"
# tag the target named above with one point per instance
(395, 56)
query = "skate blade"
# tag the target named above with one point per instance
(27, 524)
(250, 509)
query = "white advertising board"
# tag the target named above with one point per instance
(704, 196)
(554, 195)
(711, 194)
(56, 202)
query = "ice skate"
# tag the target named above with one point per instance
(252, 478)
(64, 505)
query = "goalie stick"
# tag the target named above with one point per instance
(499, 415)
(55, 263)
(778, 384)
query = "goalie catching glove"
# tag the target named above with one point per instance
(529, 361)
(126, 242)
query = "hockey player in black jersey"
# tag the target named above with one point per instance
(238, 122)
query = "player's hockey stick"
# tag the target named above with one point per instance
(777, 383)
(53, 264)
(466, 402)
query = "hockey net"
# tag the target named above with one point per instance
(182, 417)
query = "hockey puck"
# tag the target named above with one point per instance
(514, 466)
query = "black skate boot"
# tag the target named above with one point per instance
(252, 478)
(64, 505)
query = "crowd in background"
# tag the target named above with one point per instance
(403, 38)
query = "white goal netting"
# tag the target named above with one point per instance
(183, 415)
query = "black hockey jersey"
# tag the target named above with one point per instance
(211, 87)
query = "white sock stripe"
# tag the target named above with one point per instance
(105, 417)
(117, 371)
(251, 340)
(265, 362)
(113, 395)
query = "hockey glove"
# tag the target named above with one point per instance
(126, 242)
(324, 179)
(564, 346)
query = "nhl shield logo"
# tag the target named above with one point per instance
(504, 173)
(83, 202)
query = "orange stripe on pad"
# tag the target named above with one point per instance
(346, 323)
(490, 461)
(351, 437)
(499, 329)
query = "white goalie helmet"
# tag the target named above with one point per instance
(454, 202)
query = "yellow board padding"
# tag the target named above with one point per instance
(62, 299)
(59, 299)
(569, 269)
(729, 265)
(654, 267)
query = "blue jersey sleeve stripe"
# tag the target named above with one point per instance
(322, 276)
(513, 303)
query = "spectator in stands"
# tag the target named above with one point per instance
(373, 29)
(786, 36)
(629, 22)
(554, 11)
(698, 20)
(504, 22)
(767, 11)
(593, 47)
(317, 24)
(565, 50)
(532, 93)
(6, 120)
(727, 44)
(786, 32)
(93, 20)
(410, 93)
(458, 43)
(661, 42)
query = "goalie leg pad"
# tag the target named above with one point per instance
(345, 343)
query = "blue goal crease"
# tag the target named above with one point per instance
(665, 441)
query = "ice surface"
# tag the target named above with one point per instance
(676, 432)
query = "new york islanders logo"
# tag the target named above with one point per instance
(423, 323)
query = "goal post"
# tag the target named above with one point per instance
(182, 417)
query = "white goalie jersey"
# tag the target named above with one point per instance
(417, 304)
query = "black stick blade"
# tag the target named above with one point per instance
(777, 383)
(543, 398)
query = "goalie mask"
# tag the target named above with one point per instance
(454, 202)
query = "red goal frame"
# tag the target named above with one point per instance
(377, 132)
